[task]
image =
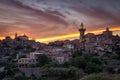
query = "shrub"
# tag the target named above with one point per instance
(79, 62)
(96, 60)
(92, 68)
(87, 56)
(117, 77)
(97, 77)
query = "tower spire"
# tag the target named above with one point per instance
(107, 29)
(82, 25)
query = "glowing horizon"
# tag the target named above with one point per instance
(70, 36)
(65, 37)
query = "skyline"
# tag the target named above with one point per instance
(46, 21)
(65, 37)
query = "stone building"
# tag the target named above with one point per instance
(23, 37)
(90, 43)
(101, 43)
(26, 62)
(58, 54)
(29, 61)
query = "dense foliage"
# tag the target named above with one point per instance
(97, 77)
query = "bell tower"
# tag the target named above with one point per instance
(82, 33)
(82, 36)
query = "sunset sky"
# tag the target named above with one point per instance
(49, 20)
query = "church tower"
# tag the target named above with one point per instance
(82, 33)
(82, 36)
(107, 33)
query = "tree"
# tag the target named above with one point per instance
(96, 60)
(61, 73)
(116, 49)
(119, 70)
(47, 66)
(115, 56)
(21, 77)
(13, 54)
(3, 63)
(110, 69)
(79, 62)
(77, 53)
(42, 60)
(87, 56)
(41, 78)
(92, 68)
(10, 72)
(117, 77)
(97, 77)
(66, 64)
(23, 56)
(2, 75)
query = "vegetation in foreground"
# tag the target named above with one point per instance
(82, 66)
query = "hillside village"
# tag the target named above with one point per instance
(24, 53)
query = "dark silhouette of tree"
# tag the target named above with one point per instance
(79, 62)
(92, 68)
(42, 60)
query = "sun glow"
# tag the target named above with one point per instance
(1, 38)
(70, 36)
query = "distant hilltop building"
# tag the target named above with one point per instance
(107, 33)
(98, 43)
(24, 37)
